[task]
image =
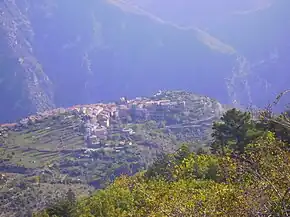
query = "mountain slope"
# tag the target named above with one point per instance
(262, 37)
(199, 13)
(83, 53)
(63, 53)
(24, 86)
(258, 30)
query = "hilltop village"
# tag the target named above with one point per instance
(100, 120)
(142, 122)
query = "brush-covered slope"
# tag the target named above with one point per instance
(75, 148)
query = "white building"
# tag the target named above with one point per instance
(100, 132)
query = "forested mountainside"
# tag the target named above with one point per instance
(62, 53)
(85, 147)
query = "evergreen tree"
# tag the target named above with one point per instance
(233, 132)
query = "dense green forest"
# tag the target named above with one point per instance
(246, 172)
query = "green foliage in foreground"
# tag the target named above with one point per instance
(255, 183)
(248, 174)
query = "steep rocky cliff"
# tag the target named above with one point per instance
(60, 53)
(23, 84)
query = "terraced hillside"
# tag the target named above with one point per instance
(43, 142)
(79, 148)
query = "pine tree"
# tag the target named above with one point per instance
(234, 131)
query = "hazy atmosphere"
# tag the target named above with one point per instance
(70, 53)
(151, 89)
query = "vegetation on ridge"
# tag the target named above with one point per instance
(46, 154)
(246, 174)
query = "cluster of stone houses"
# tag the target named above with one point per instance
(98, 117)
(149, 109)
(42, 115)
(97, 120)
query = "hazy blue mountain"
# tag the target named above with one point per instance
(203, 14)
(262, 37)
(257, 29)
(60, 53)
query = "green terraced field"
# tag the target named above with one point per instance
(42, 144)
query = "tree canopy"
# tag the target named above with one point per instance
(234, 131)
